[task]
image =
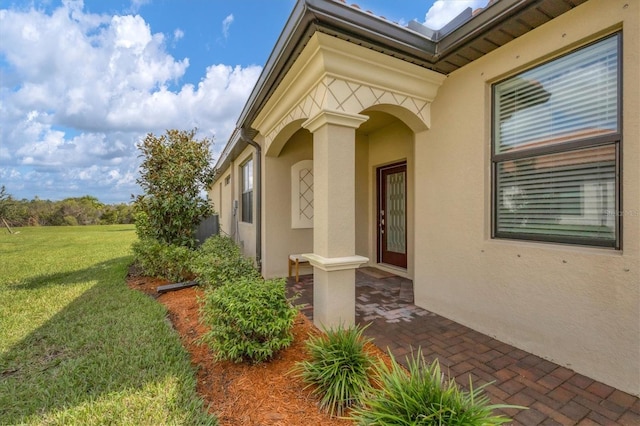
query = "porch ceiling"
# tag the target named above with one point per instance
(377, 121)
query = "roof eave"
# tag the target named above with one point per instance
(336, 18)
(488, 18)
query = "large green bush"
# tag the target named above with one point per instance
(422, 396)
(220, 261)
(161, 260)
(338, 368)
(249, 319)
(175, 170)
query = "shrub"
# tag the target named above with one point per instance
(175, 170)
(338, 368)
(143, 227)
(249, 320)
(70, 220)
(161, 260)
(422, 396)
(219, 261)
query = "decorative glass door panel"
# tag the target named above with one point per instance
(392, 215)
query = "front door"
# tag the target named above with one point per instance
(392, 214)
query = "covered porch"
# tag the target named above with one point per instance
(554, 394)
(338, 137)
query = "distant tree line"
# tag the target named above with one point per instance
(86, 210)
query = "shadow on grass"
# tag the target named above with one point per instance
(72, 277)
(110, 345)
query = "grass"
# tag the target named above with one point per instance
(77, 346)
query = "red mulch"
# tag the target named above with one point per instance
(242, 394)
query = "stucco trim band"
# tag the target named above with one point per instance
(334, 117)
(331, 264)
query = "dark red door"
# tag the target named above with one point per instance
(392, 214)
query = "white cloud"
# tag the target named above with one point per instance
(79, 91)
(226, 23)
(137, 4)
(443, 11)
(178, 34)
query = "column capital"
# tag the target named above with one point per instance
(339, 118)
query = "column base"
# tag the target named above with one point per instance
(334, 289)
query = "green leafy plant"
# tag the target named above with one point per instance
(175, 170)
(220, 261)
(422, 396)
(338, 368)
(157, 259)
(249, 319)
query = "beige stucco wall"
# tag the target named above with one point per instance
(280, 239)
(223, 196)
(577, 306)
(363, 198)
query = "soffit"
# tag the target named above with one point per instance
(488, 31)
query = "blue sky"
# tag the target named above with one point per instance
(81, 83)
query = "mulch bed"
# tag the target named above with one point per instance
(243, 394)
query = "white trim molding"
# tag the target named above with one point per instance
(330, 264)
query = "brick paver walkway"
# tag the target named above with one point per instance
(555, 395)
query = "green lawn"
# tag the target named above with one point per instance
(76, 345)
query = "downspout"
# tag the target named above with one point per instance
(258, 185)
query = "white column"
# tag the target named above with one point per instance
(334, 259)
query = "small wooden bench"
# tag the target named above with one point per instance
(296, 260)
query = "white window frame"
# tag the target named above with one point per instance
(246, 206)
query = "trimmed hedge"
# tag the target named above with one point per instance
(162, 260)
(250, 319)
(219, 261)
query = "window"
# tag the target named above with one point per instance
(556, 149)
(247, 192)
(302, 194)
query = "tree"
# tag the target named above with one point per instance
(117, 213)
(175, 171)
(7, 204)
(85, 210)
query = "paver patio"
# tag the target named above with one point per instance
(554, 394)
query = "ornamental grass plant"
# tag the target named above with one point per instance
(338, 368)
(423, 396)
